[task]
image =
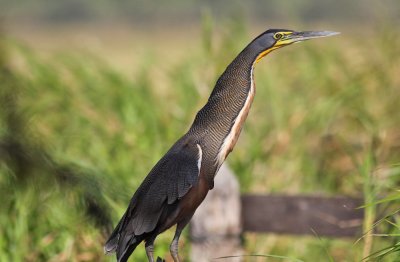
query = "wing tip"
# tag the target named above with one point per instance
(111, 246)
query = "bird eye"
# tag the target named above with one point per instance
(278, 36)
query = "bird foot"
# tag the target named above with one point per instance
(159, 259)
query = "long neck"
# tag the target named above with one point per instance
(218, 124)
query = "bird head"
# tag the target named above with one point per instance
(276, 38)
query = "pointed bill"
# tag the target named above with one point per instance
(295, 37)
(301, 36)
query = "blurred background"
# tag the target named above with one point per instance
(93, 93)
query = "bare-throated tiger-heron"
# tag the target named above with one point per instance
(179, 182)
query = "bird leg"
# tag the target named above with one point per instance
(149, 250)
(174, 245)
(173, 248)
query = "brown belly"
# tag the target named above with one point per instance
(187, 205)
(192, 200)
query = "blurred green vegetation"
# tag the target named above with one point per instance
(148, 12)
(77, 137)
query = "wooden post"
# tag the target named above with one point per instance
(216, 226)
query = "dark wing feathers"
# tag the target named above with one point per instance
(169, 180)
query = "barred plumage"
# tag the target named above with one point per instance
(180, 181)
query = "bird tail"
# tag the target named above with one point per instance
(124, 251)
(112, 243)
(122, 242)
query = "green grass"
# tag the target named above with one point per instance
(324, 121)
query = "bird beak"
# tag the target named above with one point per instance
(302, 36)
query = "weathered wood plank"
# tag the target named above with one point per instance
(326, 216)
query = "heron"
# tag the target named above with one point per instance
(181, 179)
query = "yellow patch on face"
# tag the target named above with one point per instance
(279, 35)
(282, 40)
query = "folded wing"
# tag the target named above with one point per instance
(167, 182)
